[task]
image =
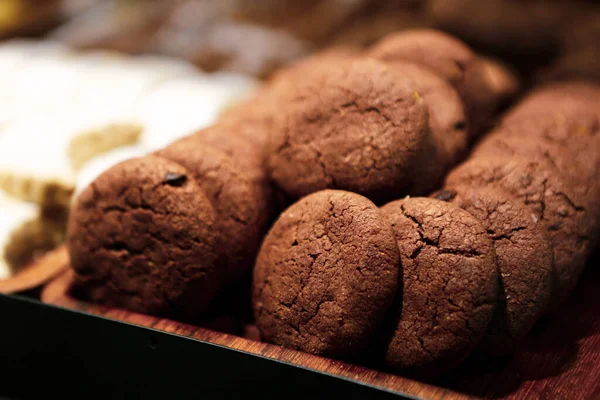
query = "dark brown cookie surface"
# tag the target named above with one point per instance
(524, 258)
(355, 125)
(452, 60)
(326, 274)
(450, 285)
(558, 111)
(578, 160)
(144, 236)
(447, 124)
(238, 202)
(248, 155)
(563, 210)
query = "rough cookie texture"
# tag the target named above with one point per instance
(249, 155)
(447, 124)
(326, 274)
(524, 258)
(144, 236)
(559, 111)
(452, 60)
(356, 125)
(450, 285)
(240, 206)
(578, 160)
(254, 118)
(563, 210)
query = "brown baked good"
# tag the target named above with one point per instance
(255, 117)
(144, 236)
(559, 110)
(524, 258)
(450, 285)
(356, 125)
(578, 159)
(231, 142)
(225, 137)
(326, 274)
(553, 200)
(447, 125)
(239, 203)
(453, 60)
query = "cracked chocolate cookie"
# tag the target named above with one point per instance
(559, 111)
(356, 125)
(578, 160)
(144, 236)
(454, 61)
(326, 274)
(524, 258)
(563, 210)
(447, 124)
(240, 206)
(450, 285)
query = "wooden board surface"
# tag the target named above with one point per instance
(559, 360)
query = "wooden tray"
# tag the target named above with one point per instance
(560, 358)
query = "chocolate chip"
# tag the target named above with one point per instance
(174, 179)
(445, 195)
(460, 125)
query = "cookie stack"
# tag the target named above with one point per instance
(481, 260)
(355, 265)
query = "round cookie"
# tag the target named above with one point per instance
(452, 60)
(562, 209)
(357, 125)
(447, 124)
(524, 258)
(578, 160)
(450, 285)
(326, 274)
(559, 111)
(143, 236)
(225, 139)
(254, 118)
(238, 202)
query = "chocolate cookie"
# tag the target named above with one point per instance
(524, 258)
(450, 285)
(578, 160)
(452, 60)
(240, 206)
(144, 236)
(554, 202)
(252, 157)
(356, 125)
(255, 117)
(560, 111)
(326, 274)
(447, 124)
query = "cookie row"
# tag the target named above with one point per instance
(478, 263)
(163, 234)
(340, 119)
(545, 153)
(383, 123)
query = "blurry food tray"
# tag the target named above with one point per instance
(72, 348)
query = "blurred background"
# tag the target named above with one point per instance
(258, 36)
(85, 84)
